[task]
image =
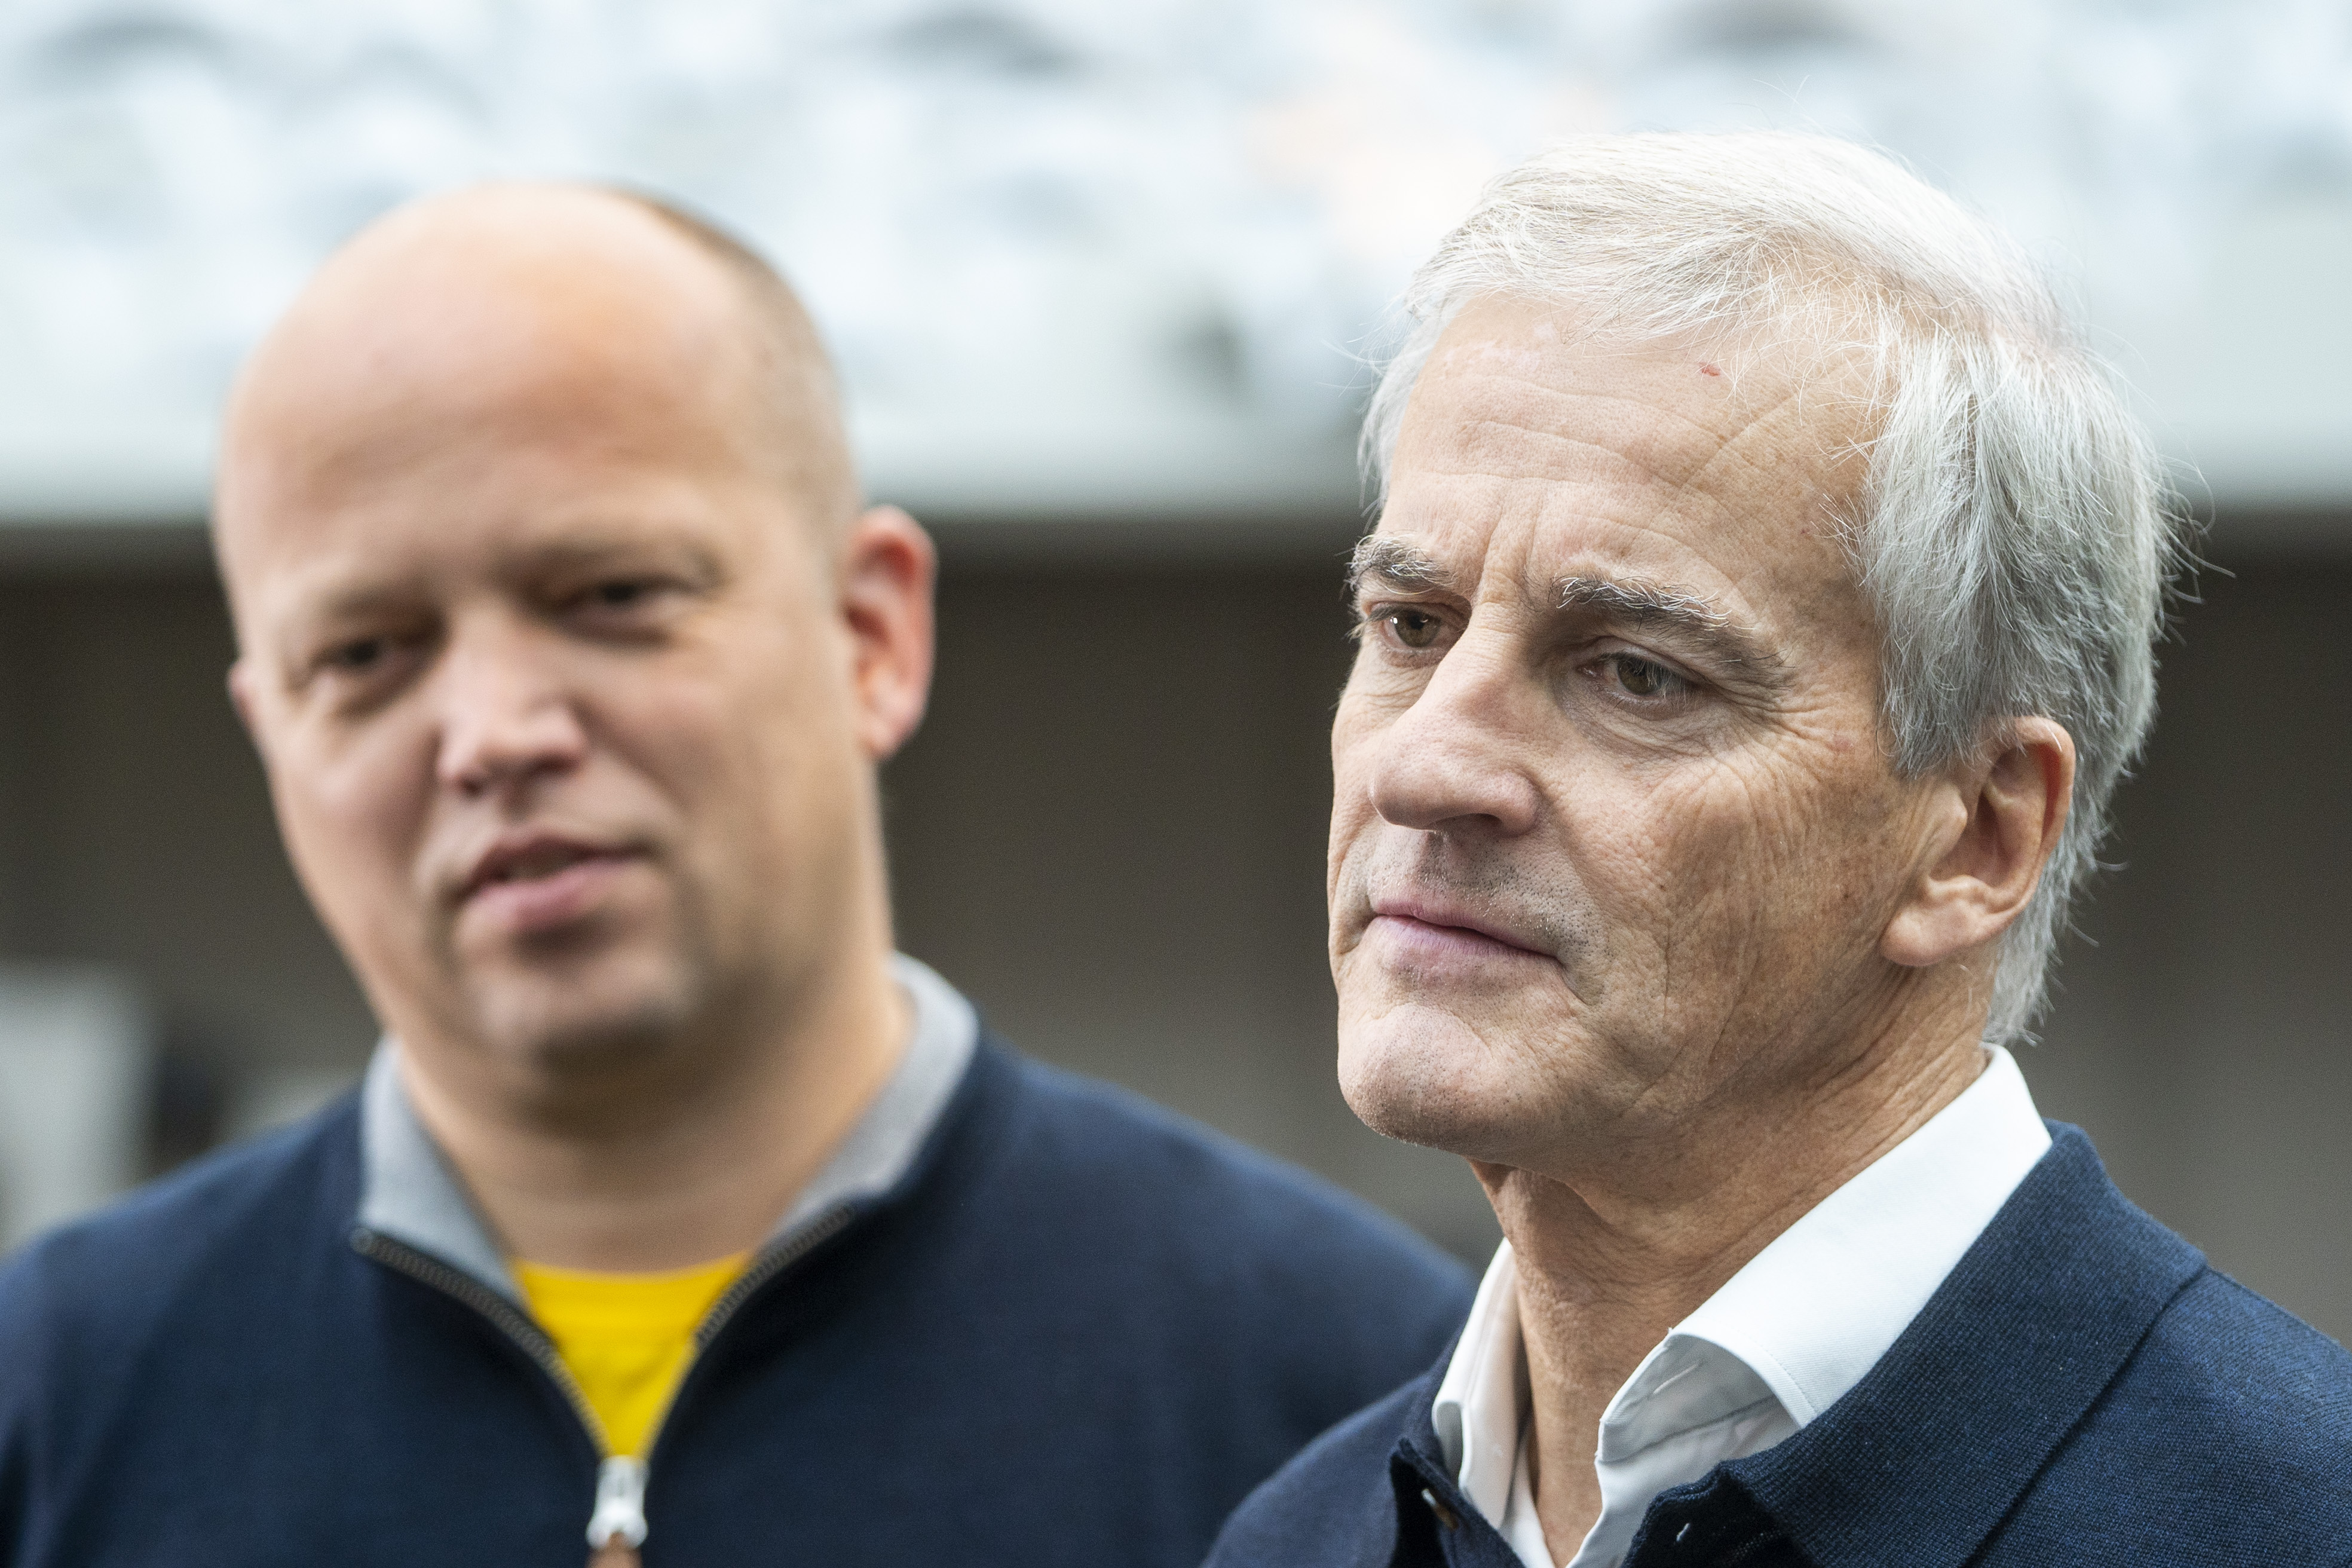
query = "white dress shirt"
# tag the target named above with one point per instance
(1782, 1340)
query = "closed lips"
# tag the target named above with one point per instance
(1452, 920)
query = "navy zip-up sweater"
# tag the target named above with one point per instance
(2082, 1391)
(1078, 1331)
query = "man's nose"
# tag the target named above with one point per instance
(506, 717)
(1455, 760)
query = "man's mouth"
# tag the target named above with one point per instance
(521, 860)
(1441, 918)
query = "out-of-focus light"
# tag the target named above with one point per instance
(1076, 256)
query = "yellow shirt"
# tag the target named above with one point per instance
(626, 1338)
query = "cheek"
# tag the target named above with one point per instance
(1351, 802)
(1768, 866)
(1351, 813)
(755, 761)
(721, 720)
(355, 818)
(361, 806)
(689, 737)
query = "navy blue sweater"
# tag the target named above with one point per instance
(1077, 1331)
(2083, 1390)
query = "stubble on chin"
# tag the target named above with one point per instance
(1420, 1072)
(1400, 1076)
(1448, 1065)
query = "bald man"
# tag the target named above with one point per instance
(677, 1215)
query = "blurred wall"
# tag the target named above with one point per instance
(134, 828)
(2204, 1029)
(1110, 832)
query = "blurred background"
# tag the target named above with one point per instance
(1101, 277)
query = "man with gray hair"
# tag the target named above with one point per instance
(1757, 622)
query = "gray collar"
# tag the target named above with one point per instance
(412, 1194)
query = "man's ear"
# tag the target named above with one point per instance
(2000, 825)
(889, 568)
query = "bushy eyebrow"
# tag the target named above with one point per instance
(1396, 563)
(1690, 618)
(1635, 605)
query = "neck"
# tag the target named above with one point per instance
(697, 1156)
(1609, 1261)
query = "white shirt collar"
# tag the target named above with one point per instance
(1776, 1346)
(1481, 1398)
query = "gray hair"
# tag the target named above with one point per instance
(2016, 535)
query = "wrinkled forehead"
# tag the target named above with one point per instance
(1529, 456)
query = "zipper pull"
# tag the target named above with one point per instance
(617, 1527)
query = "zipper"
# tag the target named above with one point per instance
(815, 1234)
(620, 1509)
(620, 1513)
(510, 1318)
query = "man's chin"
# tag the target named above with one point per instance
(1421, 1076)
(571, 1028)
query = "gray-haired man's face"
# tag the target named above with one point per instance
(1614, 839)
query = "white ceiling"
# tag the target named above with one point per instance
(1115, 256)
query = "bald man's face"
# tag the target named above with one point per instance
(560, 711)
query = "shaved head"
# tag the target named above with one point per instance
(556, 303)
(566, 645)
(804, 398)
